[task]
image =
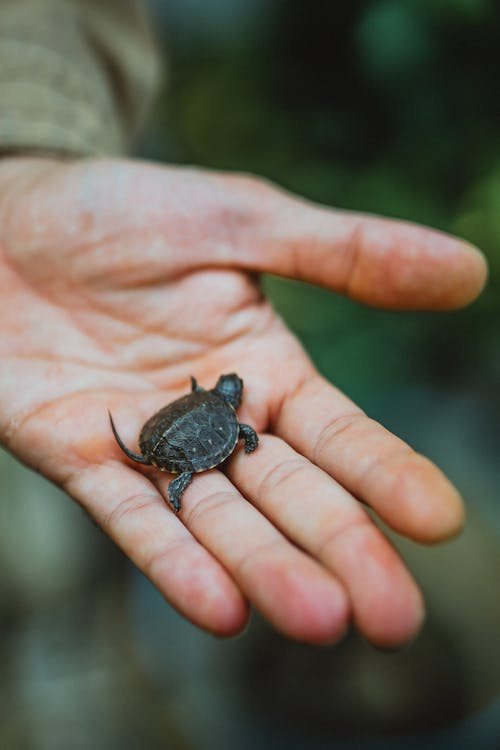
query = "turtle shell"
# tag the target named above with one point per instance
(193, 433)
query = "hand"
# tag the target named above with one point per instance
(120, 280)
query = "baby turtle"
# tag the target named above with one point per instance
(194, 433)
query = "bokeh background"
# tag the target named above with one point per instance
(384, 106)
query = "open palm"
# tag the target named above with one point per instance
(120, 280)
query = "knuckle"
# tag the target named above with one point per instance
(353, 253)
(157, 558)
(359, 523)
(127, 507)
(393, 461)
(258, 555)
(339, 425)
(199, 514)
(281, 474)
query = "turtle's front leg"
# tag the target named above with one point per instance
(249, 436)
(177, 487)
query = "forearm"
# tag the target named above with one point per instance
(76, 76)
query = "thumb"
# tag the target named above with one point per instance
(378, 261)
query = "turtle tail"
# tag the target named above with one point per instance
(133, 456)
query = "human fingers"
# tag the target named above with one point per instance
(131, 511)
(323, 519)
(404, 488)
(294, 592)
(378, 261)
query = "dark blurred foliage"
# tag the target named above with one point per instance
(383, 106)
(387, 107)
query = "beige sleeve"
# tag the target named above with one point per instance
(76, 76)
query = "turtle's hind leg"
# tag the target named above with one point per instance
(249, 437)
(177, 487)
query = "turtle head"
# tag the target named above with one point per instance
(230, 387)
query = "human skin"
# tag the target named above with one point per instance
(121, 279)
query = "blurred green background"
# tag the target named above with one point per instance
(388, 107)
(383, 106)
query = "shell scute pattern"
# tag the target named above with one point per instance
(196, 440)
